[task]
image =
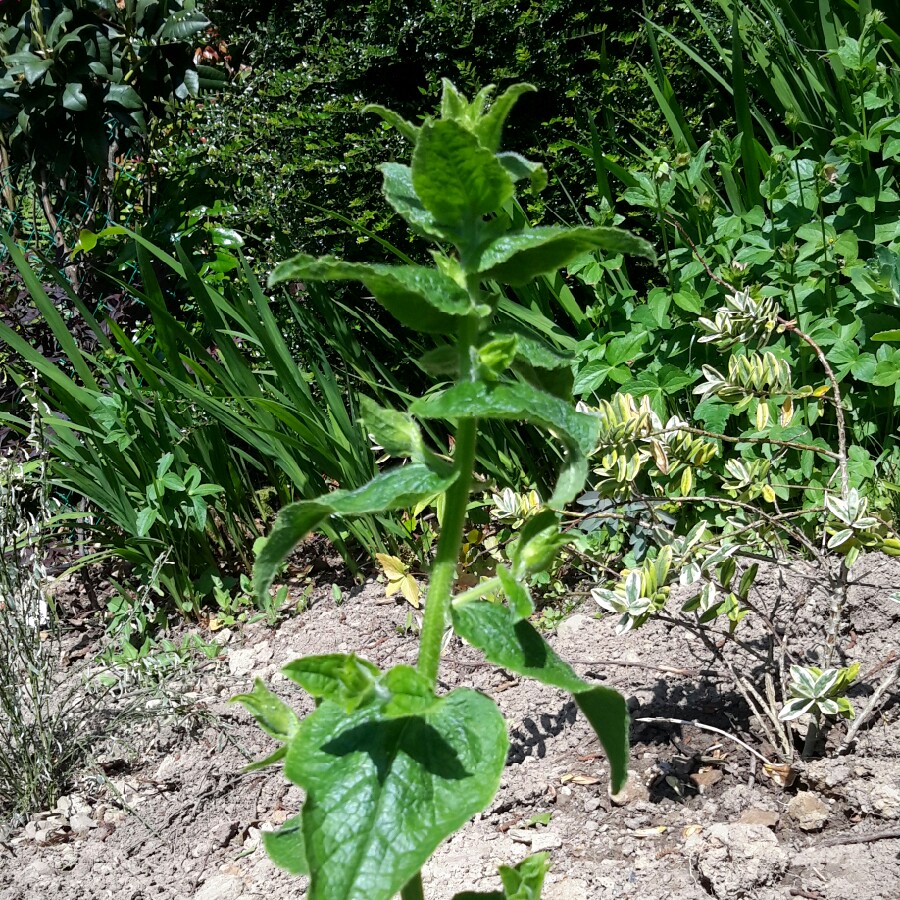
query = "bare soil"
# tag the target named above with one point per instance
(165, 813)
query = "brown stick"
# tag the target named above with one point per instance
(889, 835)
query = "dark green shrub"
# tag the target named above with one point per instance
(81, 83)
(289, 138)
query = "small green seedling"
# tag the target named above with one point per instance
(389, 766)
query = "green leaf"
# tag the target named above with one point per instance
(517, 594)
(422, 298)
(344, 679)
(399, 192)
(456, 179)
(517, 646)
(294, 522)
(274, 716)
(511, 401)
(183, 24)
(382, 793)
(407, 129)
(270, 760)
(607, 712)
(395, 489)
(286, 846)
(537, 545)
(490, 129)
(524, 881)
(517, 258)
(395, 431)
(145, 520)
(409, 693)
(73, 98)
(520, 168)
(513, 643)
(124, 95)
(31, 66)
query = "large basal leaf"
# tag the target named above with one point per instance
(422, 298)
(511, 401)
(395, 489)
(517, 646)
(382, 793)
(456, 179)
(517, 258)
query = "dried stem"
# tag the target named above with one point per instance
(871, 706)
(700, 725)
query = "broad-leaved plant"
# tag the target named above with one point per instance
(391, 767)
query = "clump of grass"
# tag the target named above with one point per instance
(34, 753)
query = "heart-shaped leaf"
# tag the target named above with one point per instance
(382, 793)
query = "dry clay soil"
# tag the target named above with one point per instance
(173, 817)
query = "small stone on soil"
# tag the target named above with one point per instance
(221, 887)
(546, 840)
(764, 817)
(808, 811)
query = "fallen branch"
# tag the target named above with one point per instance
(870, 838)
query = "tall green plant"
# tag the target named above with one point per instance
(422, 764)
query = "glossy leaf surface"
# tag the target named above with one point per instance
(382, 793)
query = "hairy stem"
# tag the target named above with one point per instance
(443, 573)
(812, 738)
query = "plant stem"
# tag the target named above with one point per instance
(413, 889)
(443, 573)
(812, 738)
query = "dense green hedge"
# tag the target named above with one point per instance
(290, 134)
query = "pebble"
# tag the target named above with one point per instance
(634, 791)
(80, 823)
(545, 840)
(808, 811)
(221, 887)
(764, 817)
(573, 626)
